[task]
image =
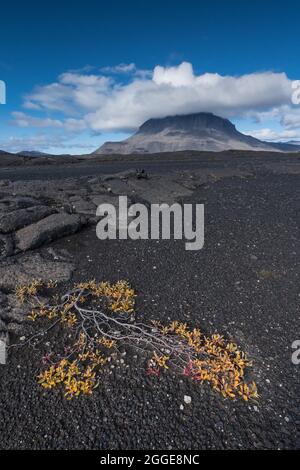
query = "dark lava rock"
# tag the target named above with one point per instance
(18, 202)
(6, 246)
(29, 267)
(51, 228)
(2, 326)
(20, 218)
(14, 311)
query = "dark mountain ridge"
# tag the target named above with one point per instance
(198, 131)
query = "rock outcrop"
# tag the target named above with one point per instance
(20, 218)
(24, 270)
(50, 228)
(200, 131)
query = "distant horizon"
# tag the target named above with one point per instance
(106, 71)
(32, 150)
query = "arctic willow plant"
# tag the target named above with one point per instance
(101, 318)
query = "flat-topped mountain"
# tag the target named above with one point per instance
(200, 131)
(189, 123)
(191, 132)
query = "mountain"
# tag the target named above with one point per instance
(286, 146)
(32, 153)
(8, 159)
(200, 131)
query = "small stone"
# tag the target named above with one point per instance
(3, 347)
(181, 407)
(187, 399)
(15, 328)
(93, 181)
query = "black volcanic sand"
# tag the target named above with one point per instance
(54, 168)
(243, 284)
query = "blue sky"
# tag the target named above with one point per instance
(80, 73)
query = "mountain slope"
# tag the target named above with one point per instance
(200, 131)
(32, 153)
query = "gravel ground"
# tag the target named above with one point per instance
(243, 284)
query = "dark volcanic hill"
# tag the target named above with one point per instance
(200, 131)
(32, 153)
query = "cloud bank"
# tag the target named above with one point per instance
(121, 98)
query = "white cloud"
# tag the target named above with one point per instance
(69, 124)
(183, 75)
(74, 125)
(104, 103)
(53, 97)
(291, 119)
(177, 90)
(72, 94)
(120, 68)
(274, 136)
(76, 79)
(23, 120)
(44, 142)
